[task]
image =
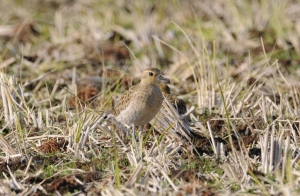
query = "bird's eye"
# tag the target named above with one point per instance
(150, 73)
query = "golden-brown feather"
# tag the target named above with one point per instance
(142, 102)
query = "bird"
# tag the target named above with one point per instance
(176, 124)
(141, 103)
(178, 104)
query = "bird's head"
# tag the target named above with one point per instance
(164, 88)
(153, 76)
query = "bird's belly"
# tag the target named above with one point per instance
(138, 114)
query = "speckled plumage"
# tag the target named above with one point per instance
(142, 102)
(179, 104)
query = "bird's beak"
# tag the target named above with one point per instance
(163, 79)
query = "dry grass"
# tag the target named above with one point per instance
(235, 64)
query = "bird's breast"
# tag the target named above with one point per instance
(143, 107)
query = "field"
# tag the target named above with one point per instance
(236, 65)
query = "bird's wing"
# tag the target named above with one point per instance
(124, 101)
(179, 104)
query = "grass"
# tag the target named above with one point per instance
(234, 63)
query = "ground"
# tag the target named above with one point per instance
(235, 64)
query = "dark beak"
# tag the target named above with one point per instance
(163, 79)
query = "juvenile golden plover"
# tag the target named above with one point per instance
(140, 104)
(178, 104)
